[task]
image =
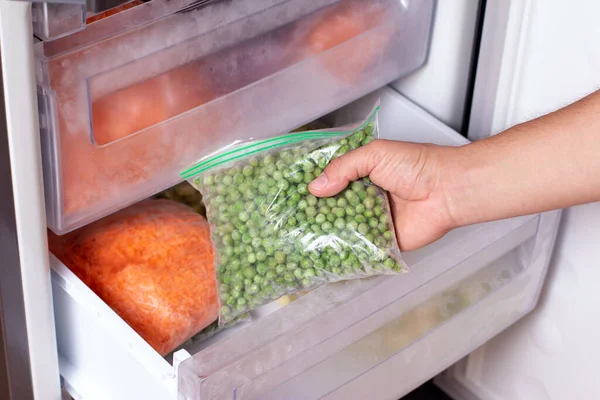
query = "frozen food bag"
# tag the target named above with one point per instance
(153, 264)
(272, 237)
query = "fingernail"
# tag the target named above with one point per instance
(320, 182)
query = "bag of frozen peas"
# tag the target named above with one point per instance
(272, 237)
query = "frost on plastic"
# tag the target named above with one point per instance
(272, 237)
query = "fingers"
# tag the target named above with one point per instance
(347, 168)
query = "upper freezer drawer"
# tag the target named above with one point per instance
(124, 108)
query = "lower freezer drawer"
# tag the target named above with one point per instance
(335, 334)
(421, 334)
(306, 346)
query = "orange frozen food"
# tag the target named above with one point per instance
(152, 263)
(343, 23)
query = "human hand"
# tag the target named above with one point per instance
(413, 175)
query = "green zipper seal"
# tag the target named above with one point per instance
(266, 144)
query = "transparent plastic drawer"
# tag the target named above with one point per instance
(135, 98)
(331, 336)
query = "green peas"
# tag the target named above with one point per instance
(209, 180)
(302, 188)
(283, 184)
(272, 235)
(227, 180)
(384, 219)
(357, 186)
(352, 197)
(308, 166)
(339, 212)
(299, 273)
(320, 218)
(270, 275)
(296, 176)
(289, 277)
(280, 269)
(280, 257)
(388, 263)
(268, 159)
(261, 256)
(358, 136)
(363, 229)
(352, 225)
(248, 170)
(380, 241)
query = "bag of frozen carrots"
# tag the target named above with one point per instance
(152, 263)
(272, 237)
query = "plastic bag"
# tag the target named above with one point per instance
(153, 264)
(272, 237)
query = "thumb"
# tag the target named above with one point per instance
(347, 168)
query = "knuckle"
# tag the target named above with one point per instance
(336, 165)
(377, 150)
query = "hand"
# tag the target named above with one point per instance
(412, 173)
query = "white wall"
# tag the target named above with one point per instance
(441, 85)
(554, 352)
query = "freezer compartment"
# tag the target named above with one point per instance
(273, 353)
(121, 117)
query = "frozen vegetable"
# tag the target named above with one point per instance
(152, 263)
(358, 28)
(273, 237)
(127, 111)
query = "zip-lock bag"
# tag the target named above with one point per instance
(272, 237)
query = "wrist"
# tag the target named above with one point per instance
(458, 169)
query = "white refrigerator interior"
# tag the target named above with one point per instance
(551, 354)
(343, 341)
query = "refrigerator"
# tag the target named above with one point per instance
(444, 72)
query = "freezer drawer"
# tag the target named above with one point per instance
(122, 114)
(311, 339)
(335, 334)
